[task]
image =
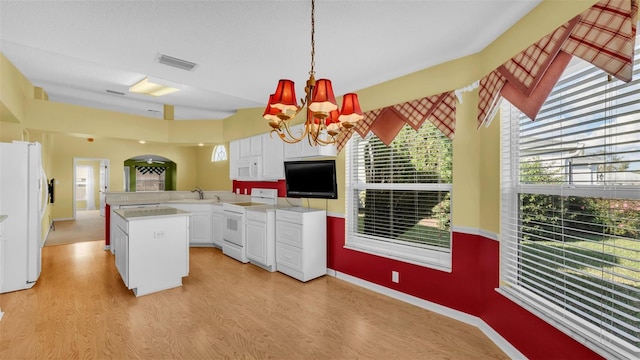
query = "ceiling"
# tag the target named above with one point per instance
(77, 50)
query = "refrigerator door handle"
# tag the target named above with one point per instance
(44, 193)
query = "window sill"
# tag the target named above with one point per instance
(438, 260)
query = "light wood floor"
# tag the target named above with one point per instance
(80, 309)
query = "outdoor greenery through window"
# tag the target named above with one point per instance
(398, 196)
(570, 237)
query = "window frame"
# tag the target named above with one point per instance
(417, 254)
(585, 332)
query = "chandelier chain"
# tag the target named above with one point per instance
(313, 41)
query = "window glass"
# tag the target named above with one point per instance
(219, 153)
(571, 209)
(398, 196)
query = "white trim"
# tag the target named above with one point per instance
(336, 215)
(63, 219)
(476, 231)
(107, 247)
(493, 335)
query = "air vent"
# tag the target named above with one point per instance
(177, 63)
(153, 111)
(115, 92)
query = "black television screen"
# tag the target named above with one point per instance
(311, 179)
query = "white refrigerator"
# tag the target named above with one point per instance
(23, 198)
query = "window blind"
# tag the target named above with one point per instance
(570, 209)
(399, 196)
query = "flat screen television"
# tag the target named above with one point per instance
(311, 179)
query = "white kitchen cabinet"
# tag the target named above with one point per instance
(152, 248)
(199, 224)
(260, 232)
(256, 158)
(120, 243)
(217, 225)
(301, 242)
(2, 250)
(234, 158)
(272, 157)
(251, 146)
(303, 149)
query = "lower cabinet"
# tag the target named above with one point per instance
(260, 232)
(217, 225)
(152, 253)
(199, 224)
(301, 242)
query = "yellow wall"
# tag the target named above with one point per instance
(14, 90)
(476, 152)
(212, 175)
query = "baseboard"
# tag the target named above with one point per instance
(493, 335)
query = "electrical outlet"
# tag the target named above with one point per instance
(160, 234)
(395, 277)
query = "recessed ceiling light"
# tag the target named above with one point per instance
(154, 87)
(142, 142)
(200, 144)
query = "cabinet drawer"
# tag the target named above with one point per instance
(257, 216)
(289, 256)
(289, 233)
(290, 216)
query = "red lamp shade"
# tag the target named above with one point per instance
(351, 112)
(323, 100)
(271, 113)
(285, 96)
(332, 123)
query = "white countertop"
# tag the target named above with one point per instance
(142, 213)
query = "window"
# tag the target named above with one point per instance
(150, 178)
(219, 153)
(399, 197)
(82, 173)
(570, 237)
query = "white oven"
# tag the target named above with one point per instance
(234, 233)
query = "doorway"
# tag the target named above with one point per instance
(91, 183)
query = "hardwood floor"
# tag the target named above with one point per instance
(80, 309)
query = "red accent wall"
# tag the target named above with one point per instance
(248, 185)
(469, 288)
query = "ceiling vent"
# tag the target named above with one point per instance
(177, 63)
(115, 92)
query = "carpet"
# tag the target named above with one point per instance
(88, 226)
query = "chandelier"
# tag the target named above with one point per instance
(323, 121)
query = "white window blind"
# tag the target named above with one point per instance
(399, 196)
(570, 238)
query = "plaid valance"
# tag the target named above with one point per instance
(386, 123)
(151, 169)
(603, 35)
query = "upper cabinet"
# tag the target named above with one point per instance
(251, 146)
(256, 158)
(303, 149)
(262, 157)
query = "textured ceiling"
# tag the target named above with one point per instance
(77, 50)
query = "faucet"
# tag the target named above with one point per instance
(200, 193)
(217, 197)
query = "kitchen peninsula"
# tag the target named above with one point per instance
(151, 248)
